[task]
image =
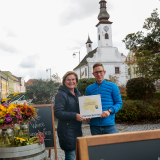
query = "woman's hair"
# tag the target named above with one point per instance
(70, 73)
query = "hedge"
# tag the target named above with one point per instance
(84, 83)
(137, 111)
(156, 96)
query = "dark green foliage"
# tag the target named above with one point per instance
(139, 111)
(157, 95)
(140, 89)
(42, 92)
(84, 83)
(124, 96)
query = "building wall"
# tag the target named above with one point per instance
(132, 66)
(4, 84)
(110, 70)
(100, 31)
(10, 81)
(16, 86)
(22, 87)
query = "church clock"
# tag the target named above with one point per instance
(106, 28)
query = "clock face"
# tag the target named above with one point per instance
(106, 28)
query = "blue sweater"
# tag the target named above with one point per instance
(110, 98)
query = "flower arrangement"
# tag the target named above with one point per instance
(9, 114)
(28, 112)
(13, 113)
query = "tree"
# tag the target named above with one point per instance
(42, 92)
(56, 78)
(147, 47)
(114, 79)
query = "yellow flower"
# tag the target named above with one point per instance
(10, 110)
(2, 108)
(2, 114)
(21, 139)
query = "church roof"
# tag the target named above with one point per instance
(89, 41)
(84, 61)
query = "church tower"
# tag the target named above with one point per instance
(89, 45)
(104, 29)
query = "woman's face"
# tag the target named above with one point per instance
(70, 82)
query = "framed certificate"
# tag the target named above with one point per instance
(90, 106)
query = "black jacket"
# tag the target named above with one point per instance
(65, 110)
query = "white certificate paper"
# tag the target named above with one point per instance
(90, 106)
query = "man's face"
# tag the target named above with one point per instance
(99, 74)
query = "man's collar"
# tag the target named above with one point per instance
(101, 82)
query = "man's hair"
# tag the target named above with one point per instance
(97, 65)
(70, 73)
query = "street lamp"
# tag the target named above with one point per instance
(74, 55)
(50, 72)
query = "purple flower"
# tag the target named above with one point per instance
(5, 105)
(8, 115)
(16, 110)
(8, 119)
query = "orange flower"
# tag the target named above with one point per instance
(23, 110)
(29, 111)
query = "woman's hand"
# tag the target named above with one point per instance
(79, 117)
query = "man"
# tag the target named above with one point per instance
(111, 102)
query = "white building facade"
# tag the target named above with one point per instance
(105, 53)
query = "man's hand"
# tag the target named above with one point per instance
(105, 114)
(79, 117)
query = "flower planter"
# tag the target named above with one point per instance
(6, 138)
(35, 151)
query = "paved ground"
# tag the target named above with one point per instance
(120, 128)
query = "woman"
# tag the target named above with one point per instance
(66, 110)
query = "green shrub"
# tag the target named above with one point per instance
(124, 97)
(138, 111)
(84, 83)
(140, 89)
(157, 95)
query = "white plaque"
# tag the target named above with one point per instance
(90, 106)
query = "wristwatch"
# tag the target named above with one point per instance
(110, 111)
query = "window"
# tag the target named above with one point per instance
(106, 36)
(116, 70)
(99, 37)
(89, 45)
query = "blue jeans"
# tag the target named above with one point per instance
(97, 130)
(70, 155)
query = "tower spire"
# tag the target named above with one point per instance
(89, 45)
(89, 41)
(103, 14)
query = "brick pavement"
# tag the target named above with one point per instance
(120, 128)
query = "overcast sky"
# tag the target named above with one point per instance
(39, 34)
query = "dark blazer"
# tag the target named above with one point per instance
(65, 110)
